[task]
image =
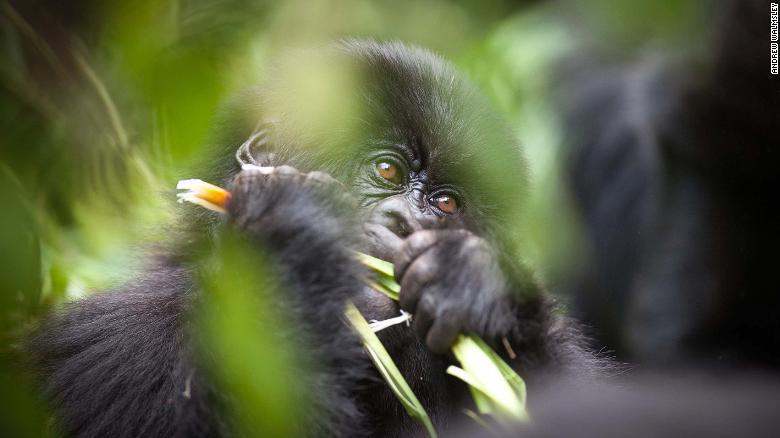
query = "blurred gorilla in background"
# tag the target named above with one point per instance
(675, 165)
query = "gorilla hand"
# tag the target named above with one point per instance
(452, 282)
(286, 206)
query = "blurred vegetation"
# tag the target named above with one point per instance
(104, 105)
(241, 319)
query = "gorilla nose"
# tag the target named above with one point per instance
(397, 215)
(417, 199)
(392, 220)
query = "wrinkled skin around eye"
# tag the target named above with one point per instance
(450, 279)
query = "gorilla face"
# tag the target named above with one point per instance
(434, 174)
(414, 142)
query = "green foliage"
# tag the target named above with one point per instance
(104, 105)
(496, 388)
(240, 325)
(20, 289)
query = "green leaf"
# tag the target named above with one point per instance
(242, 347)
(384, 363)
(515, 381)
(390, 284)
(478, 393)
(482, 367)
(381, 266)
(381, 288)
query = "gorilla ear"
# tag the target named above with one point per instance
(256, 149)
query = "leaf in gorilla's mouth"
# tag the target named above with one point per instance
(383, 281)
(496, 388)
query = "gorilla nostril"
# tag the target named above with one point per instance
(396, 215)
(398, 224)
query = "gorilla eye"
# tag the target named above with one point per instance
(389, 171)
(445, 203)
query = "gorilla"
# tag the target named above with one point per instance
(672, 162)
(377, 147)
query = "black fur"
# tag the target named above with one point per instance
(115, 364)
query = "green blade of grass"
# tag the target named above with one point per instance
(384, 363)
(381, 266)
(478, 393)
(381, 288)
(515, 381)
(483, 368)
(390, 284)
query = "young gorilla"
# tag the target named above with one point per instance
(435, 175)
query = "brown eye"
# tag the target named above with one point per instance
(446, 203)
(388, 171)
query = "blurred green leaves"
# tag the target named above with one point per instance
(620, 26)
(20, 288)
(242, 325)
(104, 105)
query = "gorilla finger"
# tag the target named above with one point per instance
(243, 187)
(414, 245)
(382, 242)
(419, 275)
(322, 179)
(246, 178)
(285, 171)
(442, 333)
(423, 319)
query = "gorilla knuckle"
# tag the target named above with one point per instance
(285, 171)
(318, 178)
